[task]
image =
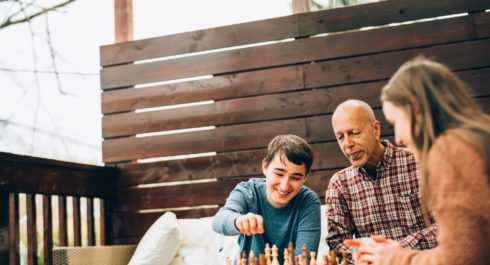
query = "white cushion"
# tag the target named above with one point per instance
(160, 243)
(200, 243)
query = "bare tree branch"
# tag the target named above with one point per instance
(41, 10)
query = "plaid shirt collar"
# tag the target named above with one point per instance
(384, 162)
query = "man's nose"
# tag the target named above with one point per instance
(348, 141)
(284, 183)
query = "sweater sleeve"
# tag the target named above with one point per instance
(236, 205)
(309, 228)
(460, 195)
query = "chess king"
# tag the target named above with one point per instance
(277, 209)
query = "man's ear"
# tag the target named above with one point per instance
(265, 165)
(377, 129)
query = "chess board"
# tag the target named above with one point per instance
(271, 254)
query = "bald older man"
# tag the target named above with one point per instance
(379, 193)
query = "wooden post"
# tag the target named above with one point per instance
(4, 227)
(301, 6)
(123, 20)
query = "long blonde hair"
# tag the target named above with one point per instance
(444, 103)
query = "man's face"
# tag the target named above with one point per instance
(283, 179)
(357, 135)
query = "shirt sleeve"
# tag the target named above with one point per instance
(339, 222)
(421, 239)
(309, 229)
(236, 205)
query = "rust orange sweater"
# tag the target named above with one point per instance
(460, 193)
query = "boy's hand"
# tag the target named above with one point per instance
(250, 224)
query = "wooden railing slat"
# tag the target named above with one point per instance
(31, 229)
(48, 230)
(62, 221)
(77, 229)
(14, 228)
(90, 222)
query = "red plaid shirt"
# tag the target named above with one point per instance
(388, 205)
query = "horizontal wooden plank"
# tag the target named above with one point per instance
(217, 88)
(186, 195)
(219, 113)
(221, 139)
(211, 193)
(294, 104)
(458, 56)
(223, 165)
(298, 25)
(292, 52)
(136, 224)
(46, 176)
(482, 20)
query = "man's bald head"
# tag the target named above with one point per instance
(357, 132)
(360, 107)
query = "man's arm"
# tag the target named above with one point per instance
(423, 239)
(235, 206)
(339, 220)
(309, 228)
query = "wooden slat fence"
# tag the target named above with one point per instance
(37, 176)
(290, 80)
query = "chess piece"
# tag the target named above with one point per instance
(298, 260)
(251, 258)
(291, 253)
(275, 261)
(268, 254)
(239, 260)
(344, 258)
(286, 257)
(262, 259)
(244, 258)
(304, 258)
(324, 260)
(313, 259)
(333, 258)
(228, 261)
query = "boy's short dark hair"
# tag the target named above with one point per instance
(296, 149)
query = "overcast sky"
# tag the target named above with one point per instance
(59, 117)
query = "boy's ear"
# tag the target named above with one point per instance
(265, 165)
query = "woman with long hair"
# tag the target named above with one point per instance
(433, 114)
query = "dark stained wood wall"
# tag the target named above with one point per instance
(306, 64)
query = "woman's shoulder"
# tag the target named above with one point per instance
(453, 147)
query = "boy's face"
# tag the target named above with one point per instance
(283, 179)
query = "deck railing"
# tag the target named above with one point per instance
(31, 177)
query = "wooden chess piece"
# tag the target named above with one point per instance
(291, 253)
(268, 254)
(228, 261)
(286, 257)
(312, 258)
(333, 258)
(305, 255)
(344, 258)
(239, 260)
(244, 258)
(262, 259)
(251, 258)
(275, 261)
(324, 260)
